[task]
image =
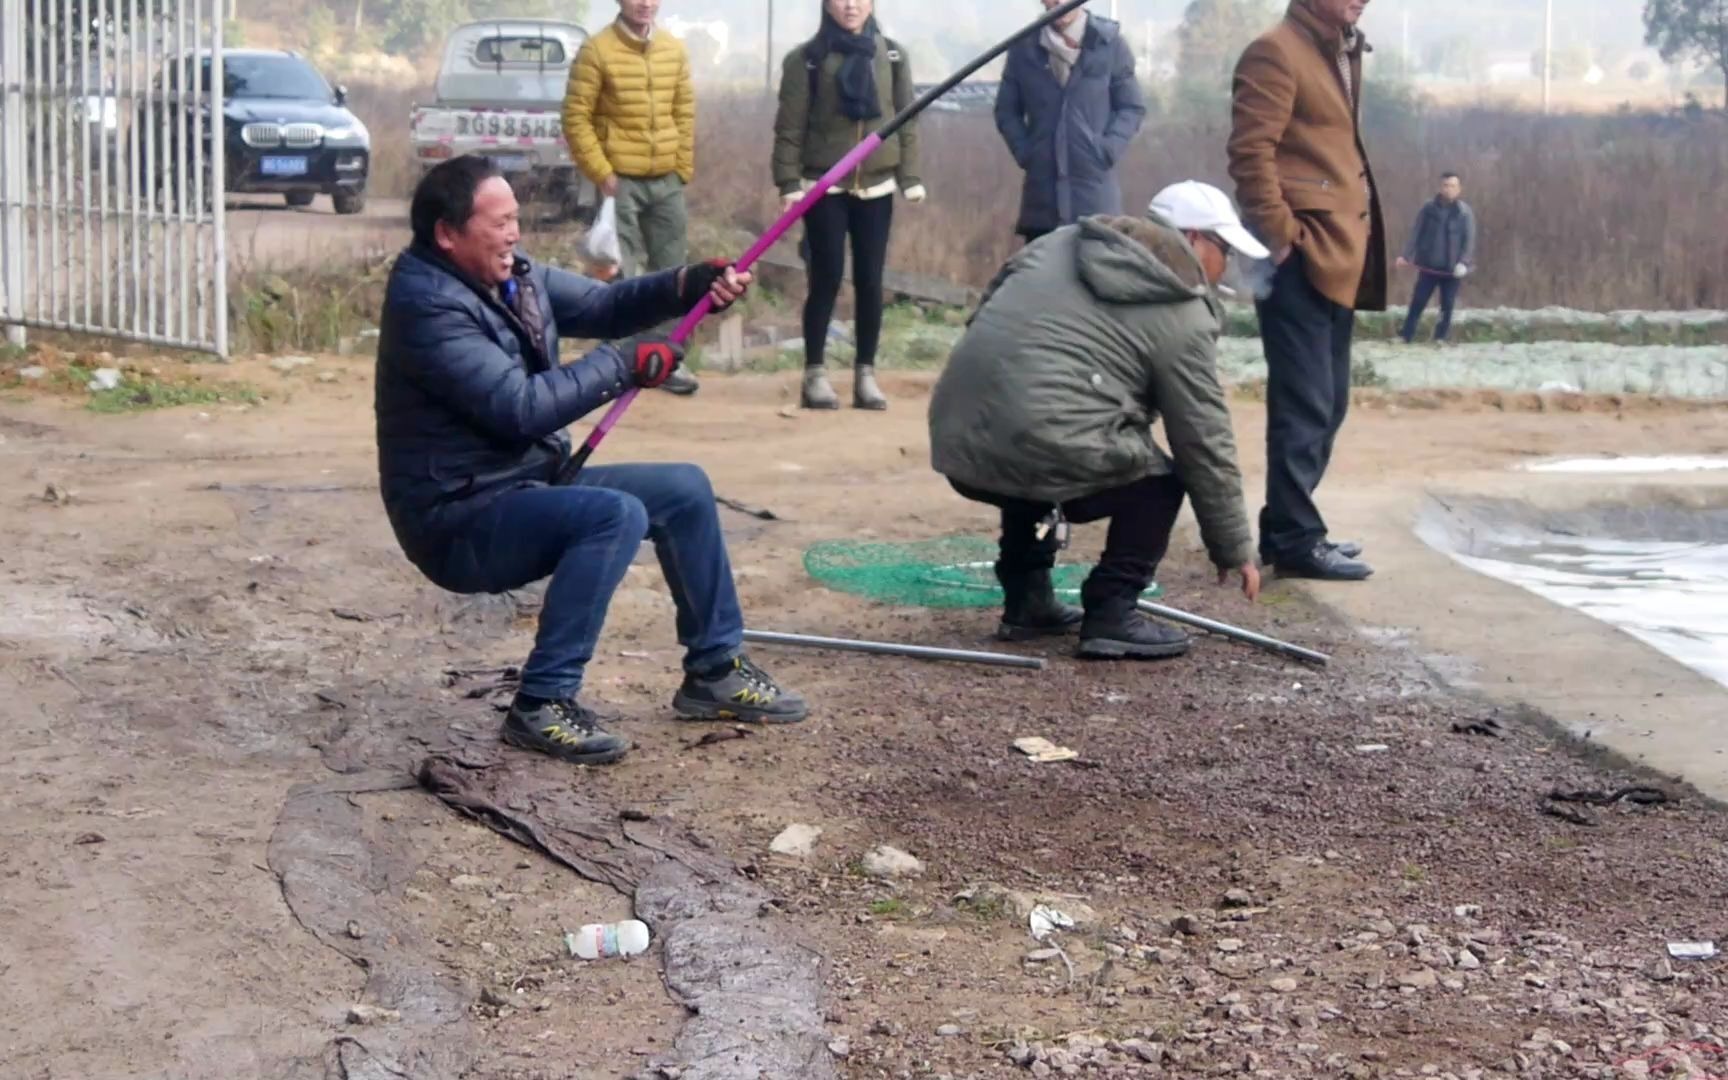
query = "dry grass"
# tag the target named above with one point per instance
(1592, 212)
(384, 110)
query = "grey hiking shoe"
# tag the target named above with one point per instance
(682, 383)
(741, 691)
(818, 392)
(865, 393)
(564, 729)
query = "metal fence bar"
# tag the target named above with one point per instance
(170, 151)
(187, 70)
(38, 182)
(152, 181)
(201, 305)
(51, 136)
(13, 146)
(134, 181)
(103, 74)
(84, 169)
(219, 178)
(69, 175)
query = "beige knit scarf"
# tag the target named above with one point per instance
(1064, 46)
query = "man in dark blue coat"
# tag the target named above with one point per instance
(1442, 248)
(1068, 107)
(472, 403)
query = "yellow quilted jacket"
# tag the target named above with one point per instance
(630, 108)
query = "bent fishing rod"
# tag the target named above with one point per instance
(687, 326)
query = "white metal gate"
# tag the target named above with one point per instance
(112, 170)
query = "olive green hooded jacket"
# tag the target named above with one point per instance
(1083, 340)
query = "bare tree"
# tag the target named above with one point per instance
(1681, 28)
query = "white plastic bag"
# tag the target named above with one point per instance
(603, 236)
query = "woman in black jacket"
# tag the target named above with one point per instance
(834, 90)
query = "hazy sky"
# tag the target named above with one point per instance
(1500, 24)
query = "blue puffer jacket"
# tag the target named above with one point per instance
(468, 407)
(1069, 137)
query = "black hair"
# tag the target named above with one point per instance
(1445, 176)
(446, 193)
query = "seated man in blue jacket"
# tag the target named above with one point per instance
(472, 403)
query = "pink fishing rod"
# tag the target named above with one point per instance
(687, 326)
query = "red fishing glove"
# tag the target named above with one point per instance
(652, 358)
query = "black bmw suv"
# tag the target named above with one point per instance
(287, 130)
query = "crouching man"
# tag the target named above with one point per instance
(472, 403)
(1085, 337)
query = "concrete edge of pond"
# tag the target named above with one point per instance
(1517, 649)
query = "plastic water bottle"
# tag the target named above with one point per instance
(600, 941)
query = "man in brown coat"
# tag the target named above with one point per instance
(1303, 181)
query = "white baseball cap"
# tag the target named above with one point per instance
(1195, 207)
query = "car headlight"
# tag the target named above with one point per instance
(354, 133)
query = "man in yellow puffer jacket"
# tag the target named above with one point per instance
(630, 120)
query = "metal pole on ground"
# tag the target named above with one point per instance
(1236, 633)
(883, 648)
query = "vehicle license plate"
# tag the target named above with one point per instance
(509, 126)
(283, 166)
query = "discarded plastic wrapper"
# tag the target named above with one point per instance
(1692, 950)
(1042, 750)
(1046, 920)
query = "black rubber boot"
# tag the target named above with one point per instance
(1030, 609)
(1114, 629)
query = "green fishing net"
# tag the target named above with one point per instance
(948, 572)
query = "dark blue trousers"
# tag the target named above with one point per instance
(1426, 283)
(1306, 338)
(584, 538)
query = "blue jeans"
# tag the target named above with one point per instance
(1426, 283)
(584, 537)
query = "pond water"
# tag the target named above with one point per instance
(1630, 465)
(1673, 596)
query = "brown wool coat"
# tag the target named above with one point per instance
(1302, 174)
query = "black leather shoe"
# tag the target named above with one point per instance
(1324, 563)
(1350, 549)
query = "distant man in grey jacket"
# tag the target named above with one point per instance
(1442, 248)
(1085, 338)
(1068, 107)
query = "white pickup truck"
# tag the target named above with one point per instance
(500, 92)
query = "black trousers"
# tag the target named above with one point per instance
(827, 227)
(1142, 515)
(1307, 343)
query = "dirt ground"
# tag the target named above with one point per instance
(204, 609)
